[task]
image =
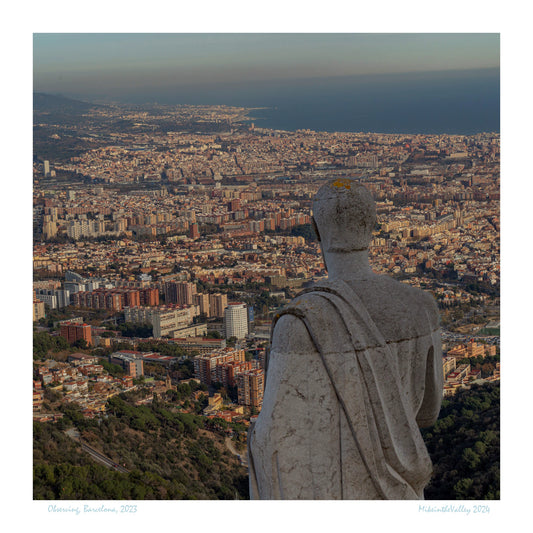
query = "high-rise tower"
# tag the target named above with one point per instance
(236, 320)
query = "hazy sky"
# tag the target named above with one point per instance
(108, 63)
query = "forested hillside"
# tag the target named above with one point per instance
(175, 455)
(464, 445)
(169, 455)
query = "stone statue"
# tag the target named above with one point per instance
(354, 369)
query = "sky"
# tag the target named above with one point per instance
(108, 63)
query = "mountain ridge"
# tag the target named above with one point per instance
(49, 103)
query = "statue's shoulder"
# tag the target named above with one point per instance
(397, 308)
(422, 305)
(423, 297)
(307, 310)
(307, 305)
(290, 335)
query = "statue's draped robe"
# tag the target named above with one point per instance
(340, 421)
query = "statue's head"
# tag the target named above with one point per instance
(345, 216)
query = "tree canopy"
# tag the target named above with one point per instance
(464, 445)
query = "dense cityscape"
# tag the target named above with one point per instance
(167, 237)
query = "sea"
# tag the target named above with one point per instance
(462, 102)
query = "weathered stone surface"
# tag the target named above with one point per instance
(355, 367)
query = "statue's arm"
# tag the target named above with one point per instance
(429, 410)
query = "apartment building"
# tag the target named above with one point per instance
(251, 386)
(448, 365)
(236, 320)
(179, 292)
(165, 320)
(73, 331)
(199, 344)
(38, 309)
(202, 302)
(226, 373)
(130, 361)
(205, 365)
(217, 303)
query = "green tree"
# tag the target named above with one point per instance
(463, 488)
(231, 341)
(81, 344)
(471, 458)
(305, 230)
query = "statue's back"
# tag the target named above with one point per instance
(399, 310)
(335, 383)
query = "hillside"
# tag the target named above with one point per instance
(464, 446)
(176, 455)
(50, 103)
(169, 455)
(61, 126)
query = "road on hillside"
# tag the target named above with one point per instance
(95, 454)
(242, 457)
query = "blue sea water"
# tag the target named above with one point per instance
(454, 102)
(446, 105)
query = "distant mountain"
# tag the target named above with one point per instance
(59, 124)
(50, 103)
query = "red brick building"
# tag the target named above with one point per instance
(226, 373)
(205, 365)
(149, 297)
(73, 332)
(114, 299)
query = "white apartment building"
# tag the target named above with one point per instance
(85, 228)
(163, 320)
(236, 320)
(55, 299)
